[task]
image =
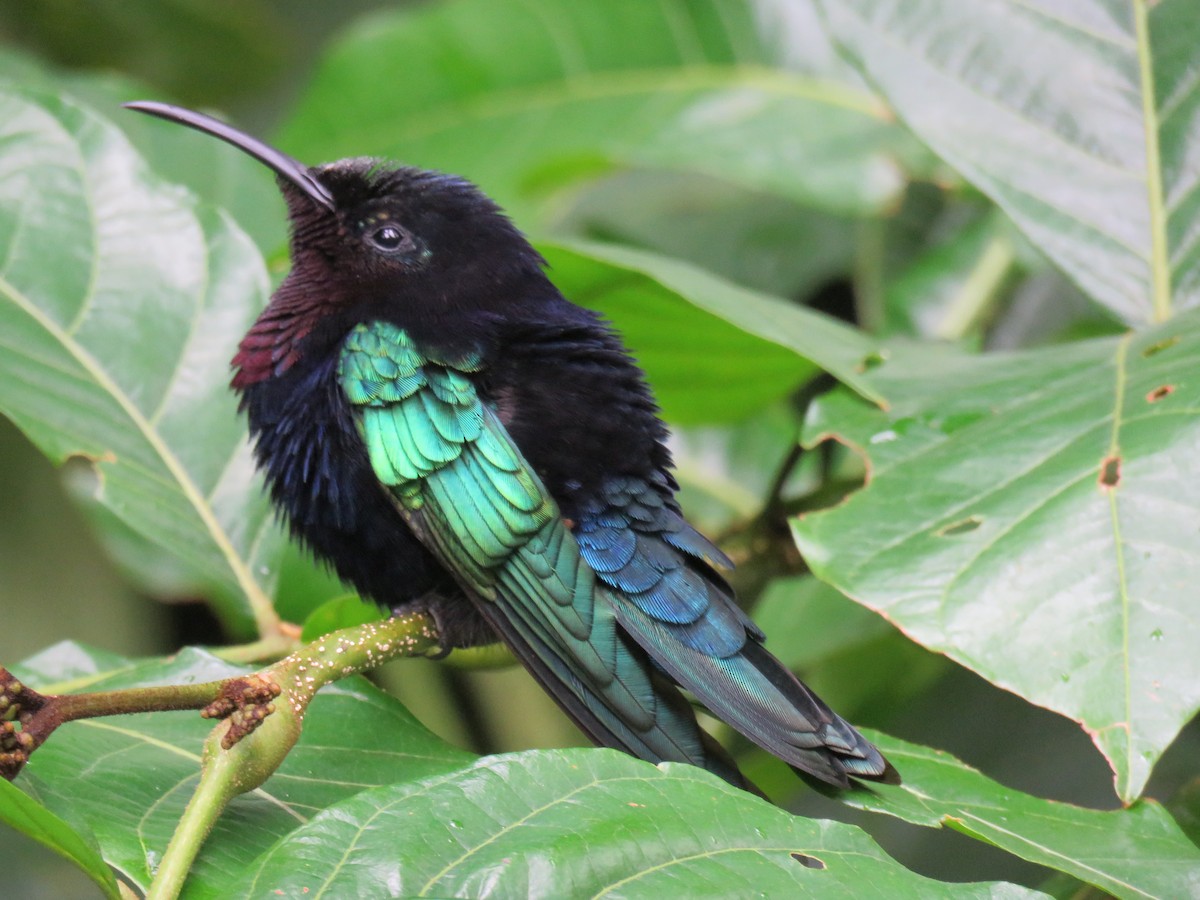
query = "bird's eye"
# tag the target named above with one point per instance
(388, 238)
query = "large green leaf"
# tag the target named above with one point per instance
(369, 803)
(196, 49)
(121, 302)
(523, 96)
(1139, 852)
(1033, 516)
(574, 824)
(746, 236)
(1076, 116)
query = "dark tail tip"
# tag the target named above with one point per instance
(890, 775)
(868, 764)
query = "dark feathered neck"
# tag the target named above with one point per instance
(272, 345)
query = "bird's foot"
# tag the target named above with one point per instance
(430, 607)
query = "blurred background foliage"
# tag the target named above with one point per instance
(868, 228)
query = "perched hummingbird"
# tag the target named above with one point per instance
(452, 435)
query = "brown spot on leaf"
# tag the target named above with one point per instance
(1110, 473)
(1159, 392)
(1160, 346)
(962, 526)
(809, 862)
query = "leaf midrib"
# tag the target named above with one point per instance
(1160, 267)
(1114, 451)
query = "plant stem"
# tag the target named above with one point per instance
(487, 658)
(980, 289)
(356, 649)
(868, 275)
(217, 787)
(29, 717)
(270, 647)
(136, 700)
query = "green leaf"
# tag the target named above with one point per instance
(24, 814)
(525, 96)
(214, 171)
(570, 823)
(1137, 852)
(68, 666)
(640, 290)
(1075, 116)
(121, 301)
(195, 49)
(354, 737)
(1032, 516)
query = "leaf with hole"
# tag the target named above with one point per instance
(1033, 516)
(580, 823)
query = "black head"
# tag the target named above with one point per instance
(391, 221)
(368, 231)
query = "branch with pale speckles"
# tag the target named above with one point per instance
(256, 735)
(260, 715)
(28, 717)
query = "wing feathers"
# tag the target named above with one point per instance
(604, 621)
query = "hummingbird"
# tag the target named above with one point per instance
(438, 423)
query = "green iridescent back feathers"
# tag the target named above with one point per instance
(429, 438)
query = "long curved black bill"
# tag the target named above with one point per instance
(280, 163)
